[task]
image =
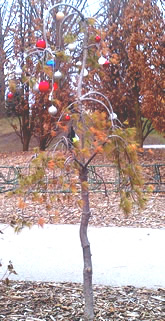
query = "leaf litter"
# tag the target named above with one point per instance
(36, 301)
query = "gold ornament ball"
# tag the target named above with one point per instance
(59, 16)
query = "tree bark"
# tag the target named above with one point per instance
(2, 86)
(26, 130)
(138, 116)
(2, 76)
(43, 143)
(26, 144)
(87, 272)
(138, 121)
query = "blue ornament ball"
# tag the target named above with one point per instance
(51, 63)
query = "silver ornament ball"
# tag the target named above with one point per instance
(36, 87)
(58, 74)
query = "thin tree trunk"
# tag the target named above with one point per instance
(26, 131)
(87, 272)
(138, 121)
(43, 143)
(2, 86)
(2, 76)
(26, 143)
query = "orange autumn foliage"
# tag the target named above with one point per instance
(21, 204)
(134, 79)
(51, 164)
(41, 221)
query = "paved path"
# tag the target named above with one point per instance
(154, 146)
(121, 256)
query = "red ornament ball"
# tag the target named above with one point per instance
(67, 117)
(10, 95)
(44, 86)
(55, 86)
(41, 44)
(106, 63)
(97, 38)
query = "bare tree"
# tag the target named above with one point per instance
(7, 20)
(98, 133)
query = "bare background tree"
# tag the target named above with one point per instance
(7, 21)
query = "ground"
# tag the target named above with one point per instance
(33, 301)
(27, 301)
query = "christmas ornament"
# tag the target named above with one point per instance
(41, 44)
(72, 46)
(58, 74)
(97, 38)
(59, 16)
(67, 117)
(18, 71)
(51, 63)
(52, 110)
(85, 72)
(75, 139)
(113, 116)
(78, 63)
(44, 86)
(10, 95)
(55, 86)
(102, 60)
(106, 63)
(36, 87)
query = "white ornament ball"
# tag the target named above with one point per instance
(78, 63)
(18, 71)
(113, 116)
(85, 72)
(36, 87)
(52, 110)
(102, 60)
(59, 16)
(72, 46)
(58, 74)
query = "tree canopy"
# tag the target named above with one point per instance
(133, 78)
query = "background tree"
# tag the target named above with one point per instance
(133, 76)
(7, 21)
(26, 16)
(98, 134)
(31, 110)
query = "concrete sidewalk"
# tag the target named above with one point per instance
(154, 146)
(120, 256)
